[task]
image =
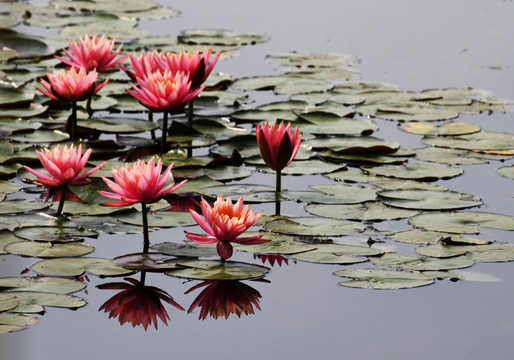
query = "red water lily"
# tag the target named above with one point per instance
(224, 222)
(64, 166)
(139, 183)
(220, 298)
(137, 303)
(197, 65)
(71, 86)
(93, 54)
(277, 144)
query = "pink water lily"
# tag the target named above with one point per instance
(224, 222)
(93, 53)
(64, 166)
(139, 183)
(277, 144)
(71, 86)
(144, 64)
(164, 91)
(197, 65)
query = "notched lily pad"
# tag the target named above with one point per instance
(418, 171)
(184, 250)
(424, 263)
(384, 279)
(218, 270)
(314, 226)
(72, 267)
(48, 250)
(147, 261)
(449, 128)
(463, 222)
(53, 233)
(369, 211)
(337, 254)
(34, 302)
(428, 199)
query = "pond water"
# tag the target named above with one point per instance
(304, 312)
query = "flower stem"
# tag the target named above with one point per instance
(278, 189)
(164, 131)
(145, 228)
(190, 107)
(88, 106)
(150, 118)
(73, 119)
(64, 190)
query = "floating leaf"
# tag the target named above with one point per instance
(462, 222)
(447, 156)
(484, 140)
(280, 244)
(370, 211)
(424, 263)
(184, 250)
(147, 261)
(384, 279)
(48, 250)
(333, 194)
(9, 318)
(7, 237)
(218, 270)
(449, 128)
(407, 112)
(118, 125)
(314, 226)
(53, 233)
(354, 144)
(8, 302)
(163, 219)
(427, 237)
(252, 193)
(443, 250)
(495, 252)
(41, 284)
(418, 171)
(19, 206)
(507, 171)
(77, 266)
(337, 254)
(34, 302)
(428, 199)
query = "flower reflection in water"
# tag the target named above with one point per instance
(273, 259)
(224, 297)
(137, 303)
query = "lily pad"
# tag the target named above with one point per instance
(424, 263)
(280, 244)
(428, 199)
(218, 270)
(449, 128)
(447, 156)
(14, 320)
(384, 279)
(34, 302)
(496, 252)
(184, 250)
(53, 233)
(41, 284)
(147, 261)
(164, 219)
(118, 125)
(314, 226)
(444, 251)
(337, 254)
(72, 267)
(8, 302)
(20, 206)
(418, 171)
(429, 237)
(251, 193)
(48, 250)
(369, 211)
(466, 222)
(507, 171)
(354, 144)
(484, 140)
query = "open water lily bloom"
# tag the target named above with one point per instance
(164, 91)
(71, 86)
(278, 145)
(64, 166)
(198, 66)
(143, 65)
(224, 222)
(139, 183)
(93, 53)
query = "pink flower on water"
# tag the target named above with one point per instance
(64, 165)
(197, 66)
(71, 85)
(144, 64)
(164, 91)
(277, 145)
(139, 183)
(93, 54)
(224, 222)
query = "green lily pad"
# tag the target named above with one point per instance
(162, 219)
(257, 83)
(121, 29)
(339, 194)
(41, 136)
(211, 37)
(465, 275)
(507, 171)
(19, 125)
(41, 284)
(118, 125)
(27, 113)
(462, 222)
(370, 211)
(21, 206)
(53, 233)
(484, 140)
(443, 250)
(25, 45)
(447, 156)
(106, 225)
(9, 318)
(70, 267)
(34, 302)
(280, 244)
(495, 252)
(314, 226)
(147, 261)
(403, 184)
(384, 279)
(251, 193)
(407, 111)
(428, 199)
(424, 263)
(418, 171)
(449, 128)
(337, 254)
(15, 97)
(218, 270)
(7, 237)
(341, 126)
(354, 144)
(307, 167)
(48, 250)
(429, 237)
(8, 302)
(184, 250)
(12, 222)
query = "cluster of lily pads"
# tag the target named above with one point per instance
(374, 179)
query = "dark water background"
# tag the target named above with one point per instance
(305, 314)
